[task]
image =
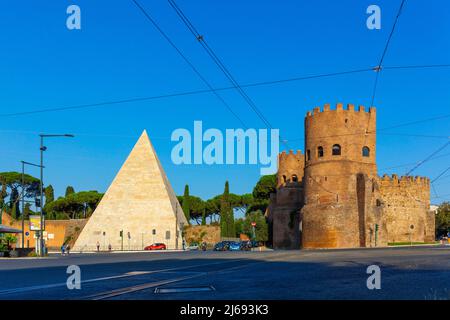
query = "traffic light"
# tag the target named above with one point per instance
(129, 235)
(121, 233)
(38, 203)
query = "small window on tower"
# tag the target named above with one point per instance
(336, 150)
(366, 152)
(308, 155)
(284, 178)
(320, 152)
(294, 178)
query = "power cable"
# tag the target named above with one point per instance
(219, 63)
(178, 94)
(415, 122)
(194, 92)
(149, 18)
(428, 158)
(440, 175)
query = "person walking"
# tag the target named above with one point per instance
(98, 246)
(68, 249)
(63, 250)
(109, 247)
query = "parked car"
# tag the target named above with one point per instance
(255, 244)
(193, 246)
(222, 246)
(156, 246)
(246, 245)
(235, 246)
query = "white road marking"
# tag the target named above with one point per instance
(128, 274)
(127, 290)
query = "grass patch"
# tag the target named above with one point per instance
(407, 243)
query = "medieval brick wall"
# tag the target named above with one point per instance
(57, 231)
(285, 217)
(406, 203)
(343, 202)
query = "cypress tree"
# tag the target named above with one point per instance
(3, 193)
(15, 211)
(49, 194)
(186, 204)
(14, 200)
(27, 211)
(226, 214)
(204, 217)
(69, 190)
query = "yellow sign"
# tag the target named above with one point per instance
(35, 223)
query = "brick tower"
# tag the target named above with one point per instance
(340, 170)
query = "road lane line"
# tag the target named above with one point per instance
(131, 289)
(128, 274)
(122, 291)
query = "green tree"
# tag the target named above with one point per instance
(69, 190)
(239, 226)
(443, 219)
(186, 204)
(196, 207)
(226, 214)
(27, 211)
(15, 211)
(49, 194)
(12, 188)
(73, 206)
(261, 228)
(14, 203)
(261, 193)
(264, 187)
(9, 240)
(204, 216)
(3, 193)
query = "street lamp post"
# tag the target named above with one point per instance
(23, 197)
(44, 148)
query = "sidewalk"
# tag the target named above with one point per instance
(119, 251)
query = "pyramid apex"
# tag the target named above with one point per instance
(144, 136)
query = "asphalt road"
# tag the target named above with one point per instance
(406, 273)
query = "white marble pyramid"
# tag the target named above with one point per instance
(140, 202)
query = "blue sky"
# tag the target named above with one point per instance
(118, 55)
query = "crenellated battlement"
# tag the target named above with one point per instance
(340, 108)
(395, 180)
(297, 155)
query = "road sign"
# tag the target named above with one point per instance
(35, 222)
(27, 233)
(253, 224)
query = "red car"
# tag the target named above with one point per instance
(156, 246)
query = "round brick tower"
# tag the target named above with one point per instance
(290, 168)
(339, 167)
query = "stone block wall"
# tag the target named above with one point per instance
(406, 204)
